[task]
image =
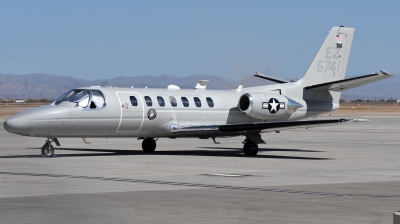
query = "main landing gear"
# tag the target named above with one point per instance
(250, 148)
(149, 145)
(48, 149)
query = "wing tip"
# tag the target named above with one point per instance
(383, 72)
(353, 120)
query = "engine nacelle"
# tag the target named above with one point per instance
(266, 106)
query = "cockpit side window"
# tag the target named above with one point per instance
(97, 99)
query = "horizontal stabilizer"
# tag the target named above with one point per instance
(273, 79)
(346, 84)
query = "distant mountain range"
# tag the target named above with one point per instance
(36, 86)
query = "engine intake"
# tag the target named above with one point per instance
(244, 102)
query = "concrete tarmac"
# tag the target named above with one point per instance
(346, 173)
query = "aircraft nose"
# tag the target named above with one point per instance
(19, 124)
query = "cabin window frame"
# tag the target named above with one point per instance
(148, 101)
(134, 97)
(161, 99)
(173, 101)
(197, 102)
(210, 102)
(185, 101)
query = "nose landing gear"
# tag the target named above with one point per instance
(48, 149)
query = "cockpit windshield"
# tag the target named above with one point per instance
(83, 98)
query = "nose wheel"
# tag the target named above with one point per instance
(149, 145)
(48, 149)
(250, 148)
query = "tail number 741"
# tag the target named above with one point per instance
(325, 65)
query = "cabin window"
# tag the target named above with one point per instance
(148, 101)
(197, 102)
(161, 101)
(210, 102)
(98, 100)
(173, 101)
(133, 101)
(185, 101)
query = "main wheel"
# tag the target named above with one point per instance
(250, 148)
(48, 150)
(149, 145)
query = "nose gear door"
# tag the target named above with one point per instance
(132, 111)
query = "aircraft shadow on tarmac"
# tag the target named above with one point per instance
(217, 152)
(264, 149)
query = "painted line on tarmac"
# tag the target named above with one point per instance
(225, 175)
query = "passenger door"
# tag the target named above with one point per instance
(132, 111)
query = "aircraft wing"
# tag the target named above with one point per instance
(346, 84)
(262, 126)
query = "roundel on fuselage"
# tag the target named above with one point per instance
(273, 105)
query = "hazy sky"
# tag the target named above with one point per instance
(231, 39)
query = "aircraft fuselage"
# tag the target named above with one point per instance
(120, 118)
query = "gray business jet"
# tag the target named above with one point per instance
(150, 114)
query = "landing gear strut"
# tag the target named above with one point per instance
(250, 148)
(149, 145)
(48, 149)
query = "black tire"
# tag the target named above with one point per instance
(48, 150)
(149, 145)
(250, 148)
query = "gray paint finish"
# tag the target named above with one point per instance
(123, 111)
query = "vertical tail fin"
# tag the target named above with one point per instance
(330, 63)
